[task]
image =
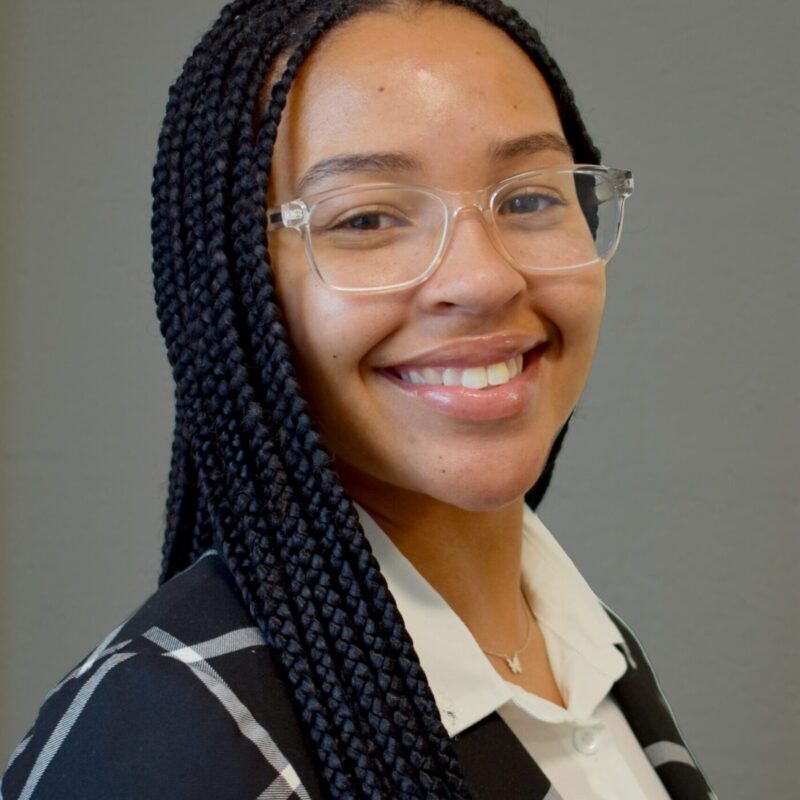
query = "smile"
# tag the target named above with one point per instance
(478, 377)
(476, 393)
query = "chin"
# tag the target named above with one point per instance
(485, 501)
(468, 478)
(489, 491)
(485, 505)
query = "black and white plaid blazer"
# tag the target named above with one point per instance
(185, 701)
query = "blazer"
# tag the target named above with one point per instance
(185, 700)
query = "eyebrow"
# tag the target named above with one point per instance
(529, 145)
(403, 162)
(358, 162)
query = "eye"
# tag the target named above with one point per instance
(368, 221)
(529, 202)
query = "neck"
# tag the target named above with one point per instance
(471, 558)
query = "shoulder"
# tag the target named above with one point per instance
(641, 699)
(182, 700)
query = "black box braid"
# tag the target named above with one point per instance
(250, 474)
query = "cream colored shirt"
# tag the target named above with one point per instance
(587, 750)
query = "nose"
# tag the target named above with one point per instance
(473, 276)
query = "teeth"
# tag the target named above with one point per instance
(498, 374)
(451, 377)
(432, 376)
(470, 378)
(474, 378)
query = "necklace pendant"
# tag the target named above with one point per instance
(513, 664)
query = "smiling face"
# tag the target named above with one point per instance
(454, 97)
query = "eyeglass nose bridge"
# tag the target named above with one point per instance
(457, 202)
(479, 201)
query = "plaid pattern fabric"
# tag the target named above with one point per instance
(643, 703)
(184, 700)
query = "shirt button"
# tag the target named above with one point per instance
(586, 740)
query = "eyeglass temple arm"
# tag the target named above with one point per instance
(274, 220)
(293, 214)
(624, 181)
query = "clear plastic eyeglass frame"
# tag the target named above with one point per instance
(296, 215)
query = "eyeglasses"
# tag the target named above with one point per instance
(379, 237)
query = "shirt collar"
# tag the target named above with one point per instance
(578, 633)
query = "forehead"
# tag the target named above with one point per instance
(440, 84)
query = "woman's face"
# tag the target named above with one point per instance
(446, 90)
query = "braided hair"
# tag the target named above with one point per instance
(250, 475)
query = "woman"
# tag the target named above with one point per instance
(380, 277)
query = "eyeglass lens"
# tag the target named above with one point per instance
(374, 237)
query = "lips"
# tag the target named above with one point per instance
(470, 351)
(475, 391)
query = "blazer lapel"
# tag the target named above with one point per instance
(640, 698)
(496, 764)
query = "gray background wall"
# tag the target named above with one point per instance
(677, 492)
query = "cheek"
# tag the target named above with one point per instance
(574, 310)
(311, 312)
(573, 306)
(313, 326)
(332, 334)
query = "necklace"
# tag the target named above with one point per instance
(513, 659)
